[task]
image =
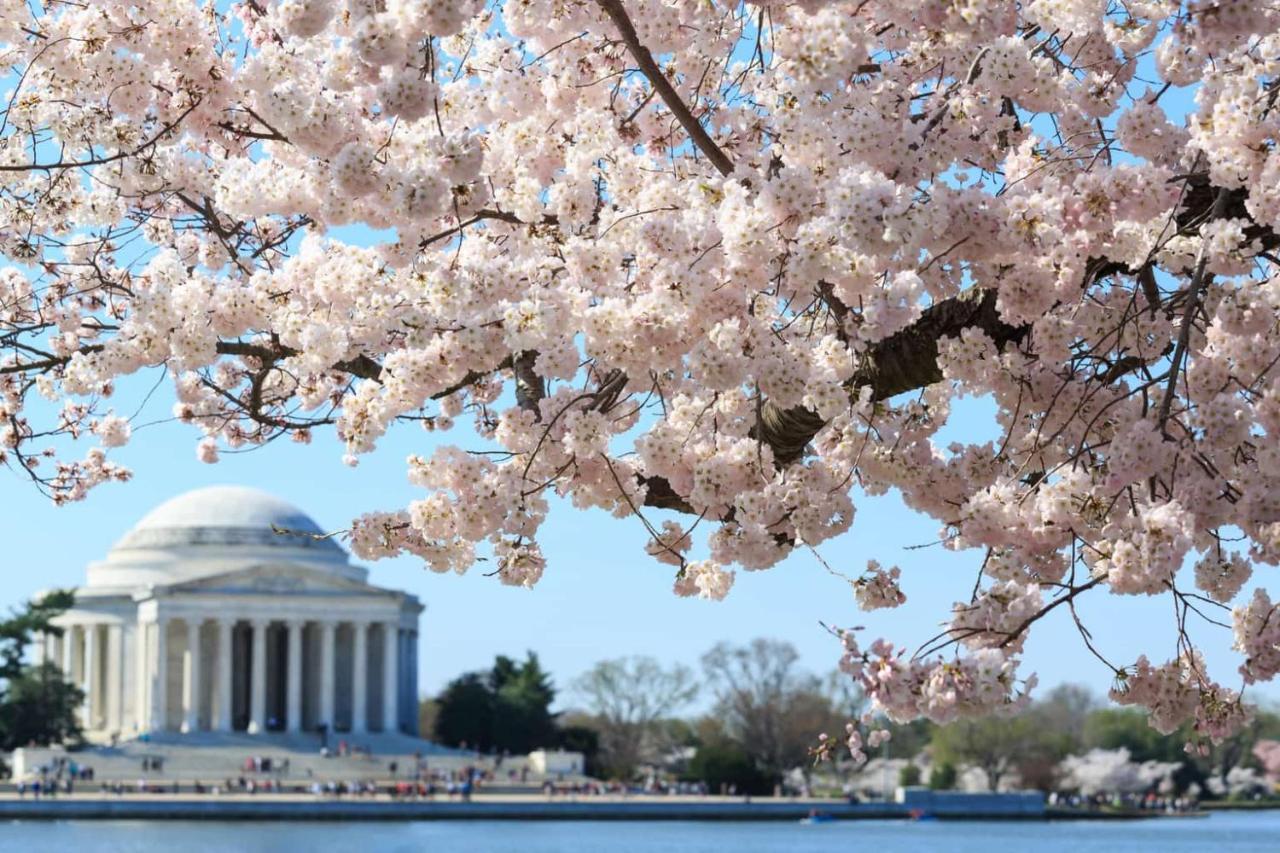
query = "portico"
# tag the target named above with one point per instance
(248, 621)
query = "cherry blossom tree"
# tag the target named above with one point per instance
(708, 266)
(1110, 771)
(1268, 754)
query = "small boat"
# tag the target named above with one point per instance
(816, 816)
(921, 814)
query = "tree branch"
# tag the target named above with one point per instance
(904, 361)
(659, 81)
(1194, 291)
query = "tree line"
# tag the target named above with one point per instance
(762, 713)
(627, 714)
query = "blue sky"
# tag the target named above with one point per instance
(601, 595)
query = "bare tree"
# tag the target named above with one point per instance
(630, 697)
(770, 706)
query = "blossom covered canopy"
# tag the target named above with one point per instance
(712, 265)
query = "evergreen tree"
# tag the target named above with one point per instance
(37, 704)
(507, 709)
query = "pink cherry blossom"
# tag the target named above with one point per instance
(721, 306)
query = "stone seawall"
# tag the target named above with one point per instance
(88, 807)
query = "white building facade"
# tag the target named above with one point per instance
(226, 609)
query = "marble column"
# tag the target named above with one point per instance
(92, 678)
(141, 673)
(115, 678)
(225, 667)
(405, 688)
(191, 678)
(359, 677)
(327, 673)
(412, 664)
(68, 652)
(258, 678)
(160, 678)
(390, 677)
(293, 698)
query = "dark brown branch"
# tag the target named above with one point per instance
(1044, 611)
(361, 365)
(903, 362)
(908, 360)
(1194, 291)
(530, 389)
(659, 81)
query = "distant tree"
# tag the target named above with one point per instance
(507, 709)
(909, 738)
(908, 776)
(37, 706)
(678, 731)
(526, 682)
(1116, 728)
(523, 694)
(943, 777)
(1025, 744)
(988, 745)
(465, 713)
(1048, 731)
(1112, 771)
(724, 765)
(428, 711)
(1238, 748)
(584, 739)
(630, 697)
(21, 627)
(1065, 710)
(1120, 728)
(773, 710)
(1267, 752)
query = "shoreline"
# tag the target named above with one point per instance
(269, 807)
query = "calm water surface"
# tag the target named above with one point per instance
(1220, 833)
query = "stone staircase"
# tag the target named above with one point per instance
(212, 758)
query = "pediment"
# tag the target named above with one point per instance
(281, 579)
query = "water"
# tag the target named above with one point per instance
(1223, 833)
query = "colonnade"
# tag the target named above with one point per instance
(230, 674)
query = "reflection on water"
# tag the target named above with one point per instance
(1257, 832)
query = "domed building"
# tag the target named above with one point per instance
(226, 609)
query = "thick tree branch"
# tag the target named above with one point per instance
(903, 362)
(908, 360)
(530, 389)
(361, 366)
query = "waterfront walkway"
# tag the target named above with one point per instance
(135, 806)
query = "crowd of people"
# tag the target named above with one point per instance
(265, 764)
(654, 787)
(59, 776)
(1149, 801)
(424, 782)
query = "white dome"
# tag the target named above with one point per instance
(226, 515)
(226, 506)
(215, 530)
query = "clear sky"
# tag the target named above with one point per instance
(601, 595)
